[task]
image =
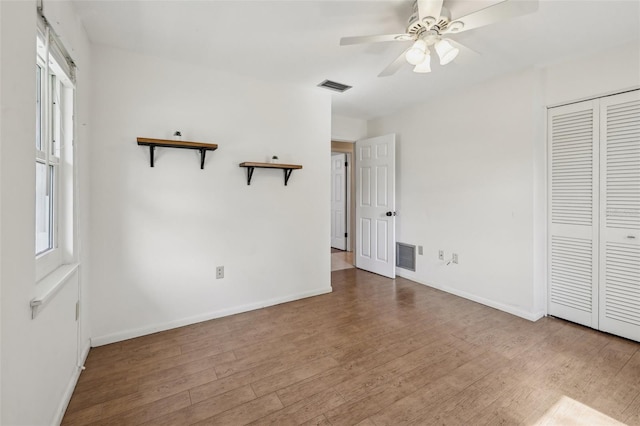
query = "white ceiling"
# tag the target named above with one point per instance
(297, 41)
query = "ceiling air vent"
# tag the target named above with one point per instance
(332, 85)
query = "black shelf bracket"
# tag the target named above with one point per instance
(203, 152)
(152, 150)
(249, 174)
(287, 175)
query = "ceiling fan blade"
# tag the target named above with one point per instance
(498, 12)
(344, 41)
(466, 54)
(430, 8)
(394, 66)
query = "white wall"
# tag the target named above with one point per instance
(159, 233)
(38, 356)
(471, 177)
(347, 129)
(591, 76)
(464, 179)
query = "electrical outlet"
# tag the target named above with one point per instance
(420, 250)
(219, 272)
(441, 254)
(454, 257)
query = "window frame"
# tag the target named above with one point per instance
(57, 104)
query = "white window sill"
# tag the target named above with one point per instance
(50, 285)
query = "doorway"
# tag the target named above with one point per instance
(339, 203)
(342, 205)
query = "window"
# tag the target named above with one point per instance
(54, 156)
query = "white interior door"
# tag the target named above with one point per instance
(375, 205)
(573, 213)
(620, 215)
(338, 201)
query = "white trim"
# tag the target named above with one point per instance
(68, 393)
(348, 197)
(531, 316)
(591, 98)
(48, 261)
(49, 286)
(130, 334)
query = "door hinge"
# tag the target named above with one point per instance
(77, 310)
(346, 164)
(345, 235)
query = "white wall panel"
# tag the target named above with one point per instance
(38, 356)
(159, 233)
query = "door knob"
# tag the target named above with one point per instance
(391, 213)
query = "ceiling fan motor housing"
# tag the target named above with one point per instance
(417, 27)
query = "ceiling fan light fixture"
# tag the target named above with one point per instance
(424, 66)
(446, 51)
(417, 52)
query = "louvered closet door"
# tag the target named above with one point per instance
(573, 212)
(620, 214)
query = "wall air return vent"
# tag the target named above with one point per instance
(406, 256)
(332, 85)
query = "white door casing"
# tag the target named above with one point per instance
(375, 205)
(338, 201)
(620, 215)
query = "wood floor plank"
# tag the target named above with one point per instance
(294, 375)
(351, 368)
(226, 384)
(153, 392)
(567, 410)
(303, 411)
(207, 408)
(516, 406)
(375, 351)
(617, 396)
(84, 416)
(321, 420)
(358, 387)
(84, 400)
(245, 413)
(148, 412)
(421, 403)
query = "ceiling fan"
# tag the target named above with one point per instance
(430, 25)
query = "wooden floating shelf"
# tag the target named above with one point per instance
(168, 143)
(287, 168)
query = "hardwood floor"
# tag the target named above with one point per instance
(373, 352)
(341, 260)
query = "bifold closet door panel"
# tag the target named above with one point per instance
(573, 212)
(620, 215)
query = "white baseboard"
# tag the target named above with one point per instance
(142, 331)
(68, 393)
(531, 316)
